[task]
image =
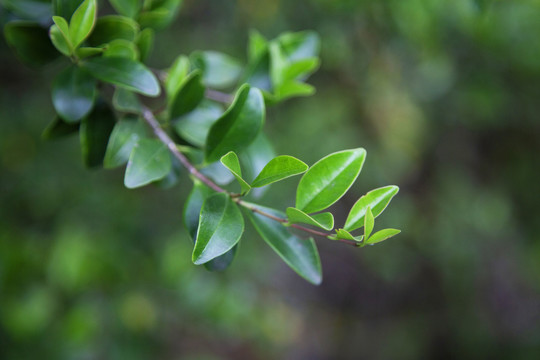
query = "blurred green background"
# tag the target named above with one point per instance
(445, 97)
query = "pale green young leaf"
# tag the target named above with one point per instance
(125, 135)
(188, 96)
(294, 88)
(220, 227)
(377, 200)
(73, 94)
(231, 162)
(369, 222)
(257, 46)
(279, 168)
(344, 234)
(94, 133)
(382, 235)
(322, 220)
(149, 161)
(82, 22)
(59, 41)
(176, 75)
(84, 52)
(63, 27)
(329, 179)
(194, 126)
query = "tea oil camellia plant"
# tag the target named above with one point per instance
(218, 138)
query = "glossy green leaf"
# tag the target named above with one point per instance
(59, 41)
(64, 45)
(113, 27)
(231, 162)
(149, 161)
(192, 209)
(329, 179)
(294, 88)
(84, 52)
(382, 235)
(220, 227)
(82, 22)
(30, 42)
(188, 96)
(369, 222)
(176, 75)
(377, 200)
(65, 8)
(344, 234)
(73, 94)
(322, 220)
(194, 126)
(126, 73)
(300, 254)
(128, 8)
(238, 126)
(254, 158)
(145, 42)
(220, 70)
(58, 128)
(94, 134)
(279, 168)
(125, 135)
(121, 48)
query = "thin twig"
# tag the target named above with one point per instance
(218, 96)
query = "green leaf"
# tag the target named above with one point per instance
(377, 200)
(322, 220)
(220, 227)
(128, 8)
(126, 73)
(30, 42)
(176, 75)
(344, 234)
(35, 10)
(254, 158)
(65, 8)
(121, 48)
(149, 161)
(279, 168)
(294, 88)
(238, 126)
(194, 126)
(369, 222)
(220, 70)
(188, 96)
(58, 128)
(381, 236)
(145, 42)
(73, 94)
(82, 22)
(218, 173)
(329, 179)
(300, 254)
(64, 44)
(59, 41)
(192, 209)
(299, 45)
(94, 134)
(84, 52)
(113, 27)
(257, 46)
(125, 135)
(126, 101)
(159, 13)
(231, 162)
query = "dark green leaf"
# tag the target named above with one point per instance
(65, 8)
(125, 73)
(369, 222)
(125, 135)
(322, 220)
(279, 168)
(231, 162)
(82, 22)
(149, 161)
(194, 126)
(176, 75)
(73, 94)
(59, 129)
(238, 126)
(300, 254)
(94, 132)
(113, 27)
(188, 96)
(127, 7)
(160, 13)
(220, 70)
(382, 235)
(35, 10)
(377, 200)
(145, 42)
(329, 179)
(126, 101)
(220, 227)
(30, 42)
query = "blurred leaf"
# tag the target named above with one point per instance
(149, 161)
(65, 8)
(257, 46)
(30, 42)
(322, 220)
(377, 200)
(128, 8)
(279, 168)
(113, 27)
(220, 227)
(121, 48)
(94, 134)
(159, 13)
(329, 179)
(369, 222)
(300, 254)
(126, 73)
(84, 52)
(219, 70)
(299, 45)
(238, 126)
(145, 42)
(35, 10)
(231, 162)
(176, 75)
(218, 173)
(58, 128)
(382, 235)
(73, 94)
(82, 22)
(125, 135)
(194, 126)
(188, 96)
(254, 158)
(126, 101)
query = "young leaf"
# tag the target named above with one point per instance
(94, 134)
(73, 94)
(126, 73)
(145, 42)
(58, 128)
(381, 236)
(113, 27)
(63, 28)
(220, 70)
(84, 52)
(238, 126)
(59, 41)
(220, 227)
(192, 209)
(344, 234)
(125, 135)
(176, 75)
(230, 161)
(149, 161)
(300, 254)
(121, 48)
(127, 7)
(188, 96)
(257, 46)
(329, 179)
(126, 101)
(82, 22)
(322, 220)
(377, 200)
(194, 126)
(369, 222)
(279, 168)
(30, 42)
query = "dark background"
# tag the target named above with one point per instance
(445, 97)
